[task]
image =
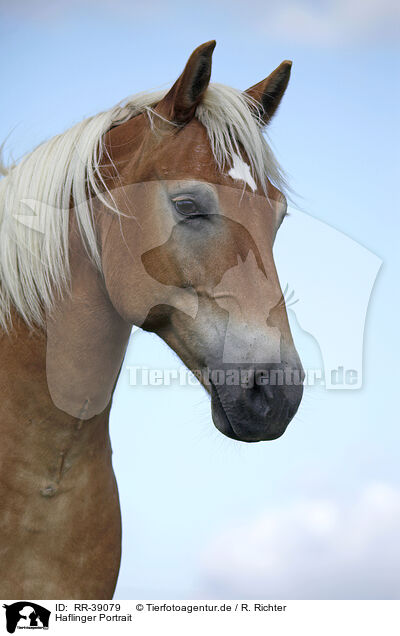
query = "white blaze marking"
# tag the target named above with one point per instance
(241, 171)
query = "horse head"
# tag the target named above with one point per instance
(189, 256)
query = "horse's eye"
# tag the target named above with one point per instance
(186, 207)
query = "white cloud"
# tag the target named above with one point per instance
(312, 550)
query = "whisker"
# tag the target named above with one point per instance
(288, 298)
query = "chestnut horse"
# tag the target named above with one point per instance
(161, 213)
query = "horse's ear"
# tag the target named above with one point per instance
(180, 102)
(269, 92)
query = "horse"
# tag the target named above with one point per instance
(159, 213)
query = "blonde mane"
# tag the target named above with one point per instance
(36, 194)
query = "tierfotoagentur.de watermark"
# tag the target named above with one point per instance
(246, 378)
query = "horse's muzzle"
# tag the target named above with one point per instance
(258, 407)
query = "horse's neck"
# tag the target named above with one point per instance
(86, 342)
(57, 489)
(35, 434)
(72, 366)
(51, 382)
(23, 384)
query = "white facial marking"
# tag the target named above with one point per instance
(241, 171)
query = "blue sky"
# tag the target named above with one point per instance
(200, 511)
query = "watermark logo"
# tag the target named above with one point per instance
(245, 378)
(332, 276)
(26, 615)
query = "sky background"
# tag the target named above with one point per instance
(315, 514)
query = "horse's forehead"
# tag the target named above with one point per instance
(181, 154)
(187, 153)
